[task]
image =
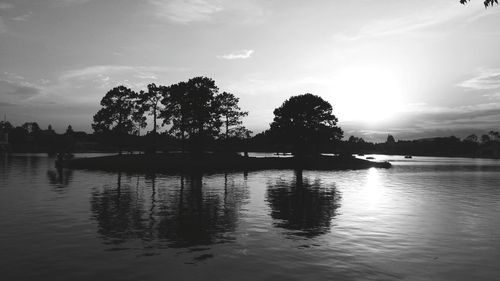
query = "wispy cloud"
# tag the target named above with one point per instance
(486, 79)
(106, 76)
(69, 2)
(6, 6)
(15, 89)
(3, 27)
(435, 14)
(24, 17)
(186, 11)
(241, 54)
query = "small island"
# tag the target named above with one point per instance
(208, 162)
(197, 115)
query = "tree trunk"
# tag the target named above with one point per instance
(154, 130)
(227, 129)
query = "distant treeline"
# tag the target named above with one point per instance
(30, 138)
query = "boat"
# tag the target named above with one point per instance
(408, 157)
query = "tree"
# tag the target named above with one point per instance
(494, 136)
(487, 3)
(485, 139)
(471, 138)
(150, 102)
(204, 117)
(305, 121)
(6, 126)
(193, 110)
(31, 127)
(390, 140)
(117, 113)
(175, 109)
(231, 114)
(355, 140)
(69, 130)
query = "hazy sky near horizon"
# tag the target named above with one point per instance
(409, 68)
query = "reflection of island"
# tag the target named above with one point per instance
(190, 213)
(60, 177)
(302, 206)
(195, 217)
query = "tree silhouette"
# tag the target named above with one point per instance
(176, 109)
(204, 116)
(494, 136)
(231, 115)
(193, 110)
(305, 121)
(471, 138)
(69, 130)
(117, 113)
(487, 3)
(390, 139)
(31, 127)
(150, 102)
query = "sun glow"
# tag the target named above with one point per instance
(368, 94)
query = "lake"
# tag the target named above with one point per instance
(424, 219)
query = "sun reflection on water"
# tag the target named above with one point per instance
(373, 188)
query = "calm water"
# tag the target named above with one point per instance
(424, 219)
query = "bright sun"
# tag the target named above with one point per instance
(368, 94)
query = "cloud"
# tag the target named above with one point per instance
(6, 6)
(242, 54)
(3, 27)
(61, 3)
(15, 91)
(24, 17)
(486, 79)
(108, 76)
(186, 11)
(435, 14)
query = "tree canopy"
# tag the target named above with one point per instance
(150, 102)
(117, 113)
(231, 115)
(305, 121)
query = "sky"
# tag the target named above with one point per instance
(413, 69)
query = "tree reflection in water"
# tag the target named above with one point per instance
(60, 178)
(304, 207)
(194, 212)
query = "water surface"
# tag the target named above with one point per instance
(424, 219)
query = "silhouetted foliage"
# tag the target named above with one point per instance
(305, 121)
(31, 127)
(231, 115)
(471, 138)
(117, 113)
(390, 140)
(69, 130)
(150, 102)
(487, 3)
(494, 136)
(197, 112)
(6, 126)
(176, 109)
